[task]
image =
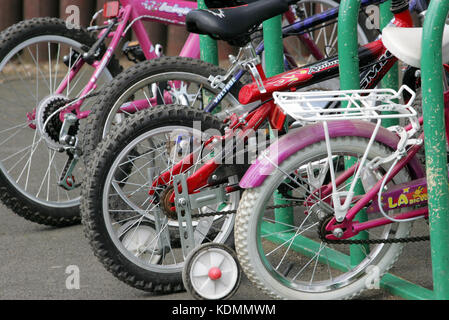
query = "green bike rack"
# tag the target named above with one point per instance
(435, 144)
(350, 79)
(433, 126)
(274, 64)
(391, 79)
(209, 48)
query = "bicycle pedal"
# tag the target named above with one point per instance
(133, 51)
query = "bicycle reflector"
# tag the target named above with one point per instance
(111, 9)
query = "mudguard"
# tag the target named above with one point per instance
(298, 139)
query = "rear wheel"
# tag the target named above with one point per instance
(35, 57)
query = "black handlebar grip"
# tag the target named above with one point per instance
(398, 6)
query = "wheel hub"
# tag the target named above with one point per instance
(214, 273)
(167, 205)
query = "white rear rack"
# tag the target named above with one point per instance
(360, 104)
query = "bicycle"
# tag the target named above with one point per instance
(193, 190)
(364, 209)
(52, 71)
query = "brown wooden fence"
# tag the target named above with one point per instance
(13, 11)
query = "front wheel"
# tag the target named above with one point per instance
(136, 234)
(282, 251)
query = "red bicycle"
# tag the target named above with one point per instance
(168, 179)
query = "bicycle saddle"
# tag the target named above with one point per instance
(406, 44)
(234, 24)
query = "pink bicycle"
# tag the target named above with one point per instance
(49, 74)
(347, 223)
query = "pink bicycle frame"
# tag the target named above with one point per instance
(135, 11)
(408, 194)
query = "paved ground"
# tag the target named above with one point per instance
(33, 261)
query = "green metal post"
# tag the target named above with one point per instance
(274, 57)
(391, 79)
(274, 53)
(350, 80)
(435, 144)
(348, 44)
(209, 48)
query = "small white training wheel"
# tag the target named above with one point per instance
(211, 272)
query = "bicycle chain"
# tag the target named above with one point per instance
(224, 213)
(322, 237)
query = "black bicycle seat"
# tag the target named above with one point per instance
(234, 24)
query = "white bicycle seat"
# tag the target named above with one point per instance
(406, 44)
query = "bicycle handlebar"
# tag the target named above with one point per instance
(397, 6)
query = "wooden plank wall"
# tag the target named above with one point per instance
(13, 11)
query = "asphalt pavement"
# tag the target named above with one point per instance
(34, 260)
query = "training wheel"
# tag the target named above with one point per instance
(211, 272)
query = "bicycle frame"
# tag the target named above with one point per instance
(174, 12)
(300, 28)
(320, 71)
(134, 11)
(401, 196)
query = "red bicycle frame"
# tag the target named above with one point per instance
(291, 80)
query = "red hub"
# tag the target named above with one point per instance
(214, 273)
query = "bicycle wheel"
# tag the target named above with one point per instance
(323, 37)
(288, 258)
(163, 81)
(35, 56)
(135, 235)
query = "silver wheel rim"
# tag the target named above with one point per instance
(147, 211)
(36, 180)
(193, 79)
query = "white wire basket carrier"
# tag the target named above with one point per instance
(369, 105)
(360, 104)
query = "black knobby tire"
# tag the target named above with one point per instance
(9, 39)
(92, 194)
(101, 109)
